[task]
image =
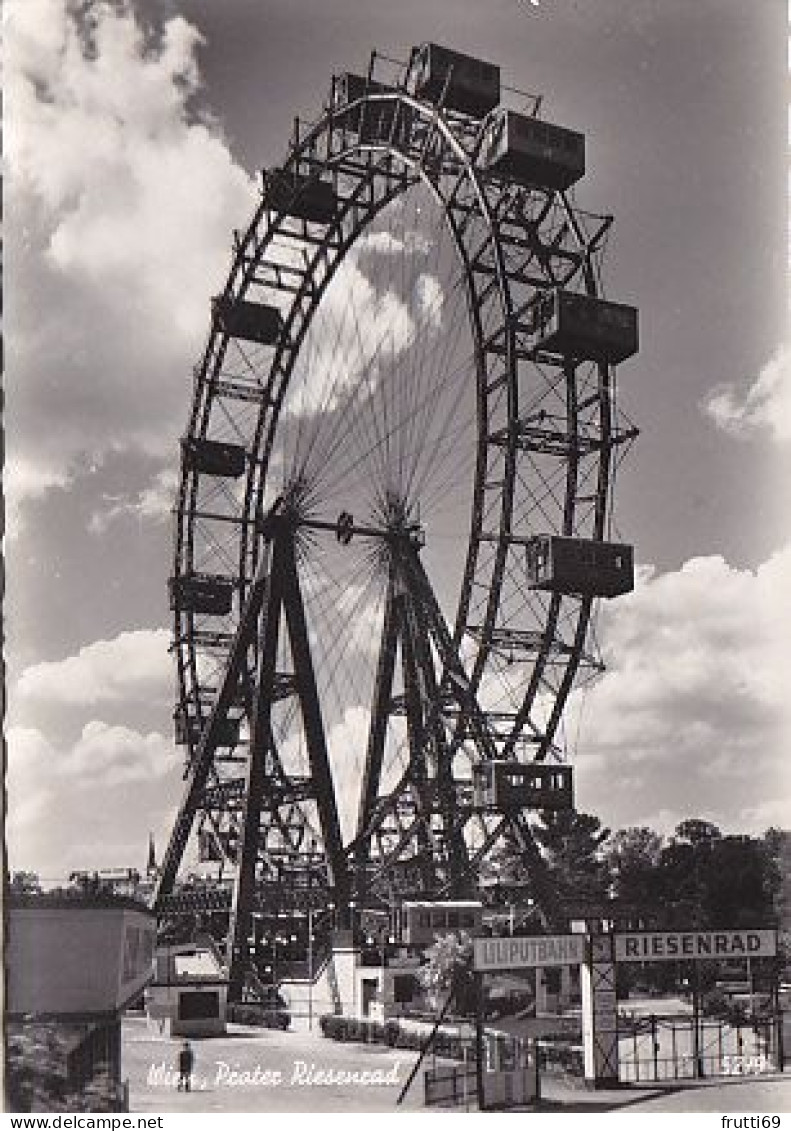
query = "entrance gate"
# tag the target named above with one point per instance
(658, 1048)
(652, 1048)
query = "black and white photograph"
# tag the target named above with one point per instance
(397, 557)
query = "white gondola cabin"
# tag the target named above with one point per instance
(466, 84)
(580, 567)
(251, 321)
(583, 327)
(424, 922)
(508, 786)
(532, 152)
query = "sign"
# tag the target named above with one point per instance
(674, 946)
(529, 952)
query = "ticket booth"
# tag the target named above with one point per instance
(188, 996)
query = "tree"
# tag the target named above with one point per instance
(778, 846)
(696, 831)
(632, 856)
(572, 843)
(25, 883)
(448, 964)
(710, 880)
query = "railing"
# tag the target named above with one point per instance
(450, 1085)
(671, 1049)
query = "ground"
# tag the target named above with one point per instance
(256, 1056)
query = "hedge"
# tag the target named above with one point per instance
(364, 1031)
(249, 1013)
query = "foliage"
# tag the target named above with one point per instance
(362, 1030)
(696, 831)
(36, 1079)
(252, 1013)
(447, 966)
(632, 856)
(25, 883)
(572, 843)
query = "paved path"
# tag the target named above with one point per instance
(726, 1095)
(265, 1070)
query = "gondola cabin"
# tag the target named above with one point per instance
(532, 152)
(251, 321)
(422, 923)
(581, 567)
(375, 120)
(210, 457)
(462, 82)
(507, 786)
(203, 593)
(305, 198)
(188, 729)
(583, 327)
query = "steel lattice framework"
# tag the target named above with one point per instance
(400, 439)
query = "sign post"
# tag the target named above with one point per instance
(599, 1013)
(598, 956)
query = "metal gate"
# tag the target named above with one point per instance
(655, 1048)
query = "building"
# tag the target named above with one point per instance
(74, 961)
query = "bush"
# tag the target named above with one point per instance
(561, 1058)
(251, 1013)
(391, 1033)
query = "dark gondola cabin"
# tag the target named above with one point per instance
(507, 786)
(376, 120)
(582, 327)
(532, 152)
(189, 728)
(205, 594)
(304, 198)
(210, 457)
(251, 321)
(464, 83)
(580, 567)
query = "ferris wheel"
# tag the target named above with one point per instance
(395, 496)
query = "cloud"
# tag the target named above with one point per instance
(764, 404)
(89, 803)
(692, 716)
(121, 197)
(156, 501)
(24, 479)
(133, 667)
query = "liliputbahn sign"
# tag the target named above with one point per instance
(598, 956)
(642, 946)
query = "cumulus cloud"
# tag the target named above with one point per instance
(765, 403)
(89, 803)
(692, 716)
(133, 667)
(121, 198)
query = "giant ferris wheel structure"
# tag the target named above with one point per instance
(393, 517)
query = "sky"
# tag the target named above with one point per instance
(132, 153)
